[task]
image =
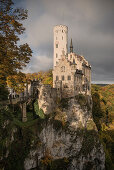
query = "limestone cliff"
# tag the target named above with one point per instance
(67, 139)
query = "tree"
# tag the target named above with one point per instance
(13, 57)
(17, 82)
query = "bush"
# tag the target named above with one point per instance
(3, 93)
(38, 111)
(83, 101)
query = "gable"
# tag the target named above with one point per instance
(63, 65)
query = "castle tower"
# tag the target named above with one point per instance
(60, 42)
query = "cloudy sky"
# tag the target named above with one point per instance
(90, 24)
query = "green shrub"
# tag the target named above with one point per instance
(89, 141)
(3, 93)
(38, 111)
(83, 101)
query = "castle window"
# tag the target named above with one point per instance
(62, 78)
(57, 78)
(62, 30)
(62, 37)
(56, 55)
(63, 69)
(69, 77)
(73, 61)
(56, 62)
(56, 45)
(65, 86)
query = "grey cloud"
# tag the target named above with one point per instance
(90, 25)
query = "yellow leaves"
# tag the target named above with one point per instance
(16, 82)
(45, 77)
(47, 158)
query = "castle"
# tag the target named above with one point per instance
(71, 76)
(71, 72)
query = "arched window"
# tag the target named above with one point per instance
(62, 37)
(69, 77)
(65, 86)
(88, 87)
(62, 77)
(56, 55)
(63, 69)
(57, 78)
(56, 45)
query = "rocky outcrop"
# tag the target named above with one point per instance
(47, 98)
(67, 140)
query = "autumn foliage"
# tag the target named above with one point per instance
(45, 77)
(103, 115)
(13, 57)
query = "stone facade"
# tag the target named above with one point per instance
(71, 72)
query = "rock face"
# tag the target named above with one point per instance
(68, 140)
(47, 98)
